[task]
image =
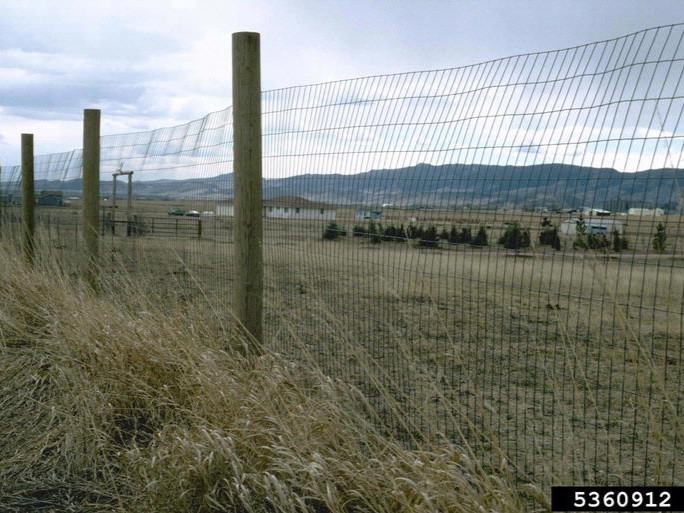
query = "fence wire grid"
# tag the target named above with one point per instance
(491, 253)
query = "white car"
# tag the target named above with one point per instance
(208, 213)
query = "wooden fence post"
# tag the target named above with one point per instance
(28, 199)
(91, 193)
(112, 204)
(2, 205)
(247, 185)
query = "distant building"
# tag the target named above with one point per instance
(600, 226)
(294, 207)
(646, 212)
(225, 208)
(589, 211)
(50, 199)
(7, 199)
(369, 214)
(285, 207)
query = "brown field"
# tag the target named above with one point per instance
(561, 367)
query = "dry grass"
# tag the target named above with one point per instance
(134, 400)
(570, 363)
(563, 367)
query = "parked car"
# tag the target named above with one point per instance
(192, 213)
(176, 211)
(208, 213)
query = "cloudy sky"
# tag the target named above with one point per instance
(159, 63)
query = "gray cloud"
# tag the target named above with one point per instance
(65, 100)
(168, 62)
(530, 150)
(58, 86)
(85, 28)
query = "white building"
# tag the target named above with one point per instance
(294, 207)
(590, 211)
(646, 212)
(598, 226)
(225, 208)
(285, 207)
(372, 214)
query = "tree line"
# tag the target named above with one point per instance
(514, 236)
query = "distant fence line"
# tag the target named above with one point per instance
(456, 243)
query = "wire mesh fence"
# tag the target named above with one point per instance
(491, 253)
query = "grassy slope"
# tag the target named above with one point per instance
(131, 402)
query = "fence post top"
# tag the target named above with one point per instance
(245, 35)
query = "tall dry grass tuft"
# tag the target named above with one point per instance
(131, 401)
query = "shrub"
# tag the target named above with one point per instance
(480, 238)
(393, 234)
(428, 238)
(619, 241)
(373, 233)
(586, 240)
(580, 235)
(466, 236)
(444, 234)
(453, 235)
(549, 236)
(515, 237)
(333, 231)
(389, 233)
(359, 231)
(413, 232)
(660, 238)
(401, 234)
(597, 241)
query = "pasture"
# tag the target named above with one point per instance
(554, 366)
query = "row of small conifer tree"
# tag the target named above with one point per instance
(424, 236)
(514, 236)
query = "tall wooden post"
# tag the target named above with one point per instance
(247, 184)
(28, 199)
(129, 204)
(112, 203)
(91, 193)
(2, 204)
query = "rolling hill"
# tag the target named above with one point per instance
(425, 185)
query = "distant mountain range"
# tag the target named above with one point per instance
(425, 185)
